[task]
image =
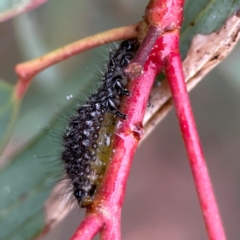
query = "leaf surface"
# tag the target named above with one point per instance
(8, 112)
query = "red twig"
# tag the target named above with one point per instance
(202, 180)
(168, 16)
(135, 69)
(91, 221)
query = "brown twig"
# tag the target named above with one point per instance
(135, 68)
(191, 139)
(26, 71)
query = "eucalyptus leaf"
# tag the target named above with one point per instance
(204, 17)
(25, 185)
(8, 112)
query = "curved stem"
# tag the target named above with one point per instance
(89, 227)
(26, 71)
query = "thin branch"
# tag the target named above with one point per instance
(26, 71)
(109, 198)
(190, 136)
(135, 68)
(89, 227)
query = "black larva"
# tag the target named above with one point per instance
(88, 135)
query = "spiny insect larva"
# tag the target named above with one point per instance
(88, 135)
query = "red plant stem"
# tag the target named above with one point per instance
(202, 180)
(166, 14)
(127, 137)
(91, 220)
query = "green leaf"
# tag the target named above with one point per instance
(25, 185)
(205, 17)
(11, 8)
(8, 111)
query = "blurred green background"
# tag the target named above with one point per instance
(161, 200)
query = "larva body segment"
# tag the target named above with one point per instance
(88, 136)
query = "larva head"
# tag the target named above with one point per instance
(85, 198)
(131, 45)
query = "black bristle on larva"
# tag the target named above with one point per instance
(86, 137)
